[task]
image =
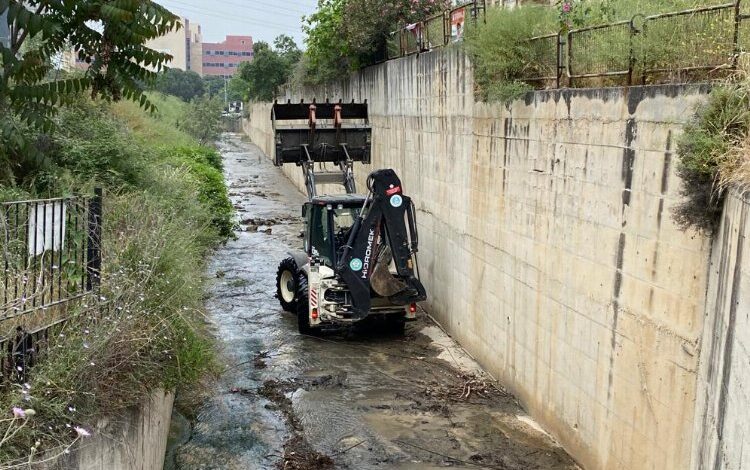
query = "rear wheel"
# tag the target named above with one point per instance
(286, 285)
(396, 324)
(303, 306)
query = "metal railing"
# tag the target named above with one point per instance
(434, 32)
(50, 255)
(696, 43)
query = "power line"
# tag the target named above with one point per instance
(284, 8)
(296, 14)
(261, 23)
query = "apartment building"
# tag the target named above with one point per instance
(222, 59)
(184, 45)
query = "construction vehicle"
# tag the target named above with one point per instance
(360, 251)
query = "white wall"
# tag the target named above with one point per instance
(722, 424)
(547, 245)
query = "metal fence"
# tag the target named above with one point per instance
(436, 31)
(696, 44)
(50, 255)
(700, 43)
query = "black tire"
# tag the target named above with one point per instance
(303, 306)
(396, 324)
(286, 284)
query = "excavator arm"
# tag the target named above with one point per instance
(379, 256)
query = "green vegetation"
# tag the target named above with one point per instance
(176, 82)
(202, 119)
(345, 35)
(42, 29)
(270, 68)
(165, 206)
(714, 155)
(506, 60)
(501, 57)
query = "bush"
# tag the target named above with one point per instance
(205, 167)
(712, 150)
(165, 207)
(185, 85)
(202, 119)
(146, 331)
(505, 60)
(501, 53)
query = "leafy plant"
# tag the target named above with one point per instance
(109, 35)
(712, 150)
(345, 35)
(202, 119)
(270, 68)
(183, 84)
(501, 51)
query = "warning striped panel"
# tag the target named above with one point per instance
(313, 297)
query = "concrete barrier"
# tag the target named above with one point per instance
(722, 419)
(548, 248)
(137, 441)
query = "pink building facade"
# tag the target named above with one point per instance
(222, 59)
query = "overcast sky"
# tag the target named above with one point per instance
(261, 19)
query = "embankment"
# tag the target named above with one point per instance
(548, 248)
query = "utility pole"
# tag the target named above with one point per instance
(226, 100)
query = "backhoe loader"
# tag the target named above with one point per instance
(359, 257)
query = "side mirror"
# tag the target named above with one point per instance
(304, 211)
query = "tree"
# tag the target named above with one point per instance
(270, 68)
(203, 119)
(109, 35)
(213, 85)
(185, 85)
(327, 56)
(345, 35)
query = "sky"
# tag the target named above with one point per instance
(261, 19)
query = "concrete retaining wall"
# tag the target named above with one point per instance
(136, 442)
(547, 245)
(722, 422)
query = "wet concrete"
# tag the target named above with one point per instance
(363, 399)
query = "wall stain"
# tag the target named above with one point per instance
(616, 310)
(628, 160)
(667, 164)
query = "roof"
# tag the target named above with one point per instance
(345, 199)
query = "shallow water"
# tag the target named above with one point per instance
(367, 399)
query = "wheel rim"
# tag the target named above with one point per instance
(286, 286)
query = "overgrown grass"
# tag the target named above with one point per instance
(713, 153)
(165, 207)
(505, 61)
(501, 52)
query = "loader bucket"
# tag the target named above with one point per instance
(321, 132)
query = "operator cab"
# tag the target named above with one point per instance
(328, 221)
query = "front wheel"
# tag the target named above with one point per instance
(286, 285)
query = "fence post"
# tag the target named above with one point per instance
(569, 62)
(94, 242)
(736, 44)
(559, 59)
(631, 53)
(446, 28)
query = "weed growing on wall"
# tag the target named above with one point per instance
(713, 155)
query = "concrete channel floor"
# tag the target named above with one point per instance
(364, 399)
